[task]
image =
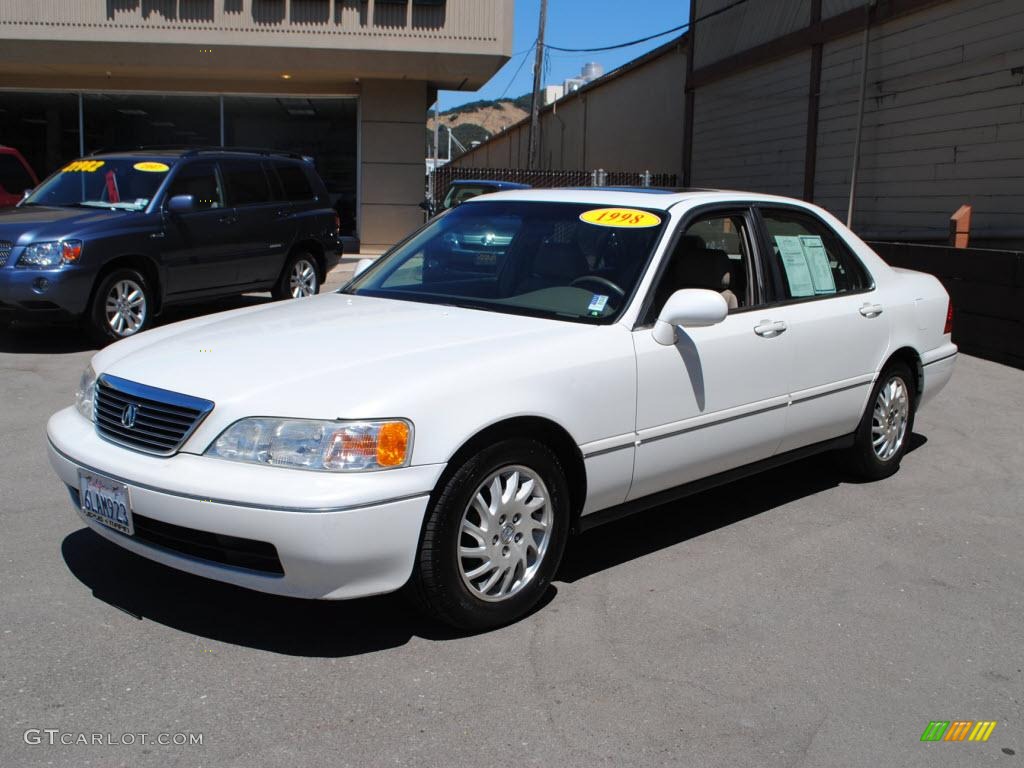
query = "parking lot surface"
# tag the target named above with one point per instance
(791, 619)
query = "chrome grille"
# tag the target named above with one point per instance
(5, 251)
(146, 418)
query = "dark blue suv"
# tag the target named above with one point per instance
(113, 238)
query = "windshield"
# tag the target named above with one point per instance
(560, 260)
(125, 183)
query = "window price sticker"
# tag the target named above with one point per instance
(620, 217)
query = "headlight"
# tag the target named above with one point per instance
(51, 254)
(328, 446)
(84, 393)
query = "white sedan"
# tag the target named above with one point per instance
(527, 365)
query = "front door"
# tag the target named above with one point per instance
(197, 247)
(717, 398)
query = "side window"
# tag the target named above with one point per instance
(200, 181)
(714, 253)
(294, 182)
(810, 256)
(246, 182)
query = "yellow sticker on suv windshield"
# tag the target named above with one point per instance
(82, 166)
(152, 167)
(620, 217)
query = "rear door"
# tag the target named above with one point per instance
(716, 399)
(835, 319)
(198, 248)
(261, 244)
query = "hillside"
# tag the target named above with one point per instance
(478, 120)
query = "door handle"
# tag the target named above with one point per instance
(769, 329)
(281, 214)
(871, 310)
(227, 219)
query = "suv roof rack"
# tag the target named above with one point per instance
(191, 151)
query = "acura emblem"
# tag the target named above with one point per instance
(128, 415)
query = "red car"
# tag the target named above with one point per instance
(15, 177)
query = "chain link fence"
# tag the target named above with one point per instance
(446, 174)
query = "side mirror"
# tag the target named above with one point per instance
(361, 266)
(181, 204)
(690, 308)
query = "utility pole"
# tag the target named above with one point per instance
(437, 128)
(538, 67)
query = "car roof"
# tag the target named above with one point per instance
(636, 197)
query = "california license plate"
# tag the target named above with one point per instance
(106, 501)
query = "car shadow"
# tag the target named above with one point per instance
(606, 546)
(228, 614)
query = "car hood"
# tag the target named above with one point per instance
(330, 356)
(34, 223)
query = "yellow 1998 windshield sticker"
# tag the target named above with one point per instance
(82, 166)
(620, 217)
(152, 167)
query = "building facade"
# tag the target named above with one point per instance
(347, 82)
(766, 96)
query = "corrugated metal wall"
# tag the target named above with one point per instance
(943, 124)
(749, 130)
(736, 28)
(630, 122)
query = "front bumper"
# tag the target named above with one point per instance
(61, 292)
(342, 545)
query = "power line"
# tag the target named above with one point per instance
(681, 27)
(620, 45)
(518, 70)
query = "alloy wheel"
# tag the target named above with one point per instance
(504, 534)
(126, 307)
(889, 419)
(302, 281)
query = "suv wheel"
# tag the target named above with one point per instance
(299, 279)
(121, 306)
(494, 537)
(884, 430)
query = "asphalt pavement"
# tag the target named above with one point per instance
(791, 619)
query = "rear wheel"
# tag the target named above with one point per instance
(121, 306)
(299, 279)
(884, 430)
(494, 537)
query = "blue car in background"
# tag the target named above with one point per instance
(114, 238)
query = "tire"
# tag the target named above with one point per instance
(299, 278)
(443, 580)
(888, 421)
(122, 306)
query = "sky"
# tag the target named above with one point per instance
(576, 24)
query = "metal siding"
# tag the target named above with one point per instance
(830, 8)
(750, 129)
(744, 26)
(943, 122)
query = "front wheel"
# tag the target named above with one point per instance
(299, 279)
(494, 536)
(121, 307)
(885, 428)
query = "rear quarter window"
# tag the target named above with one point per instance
(294, 182)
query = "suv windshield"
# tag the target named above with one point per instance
(559, 260)
(126, 183)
